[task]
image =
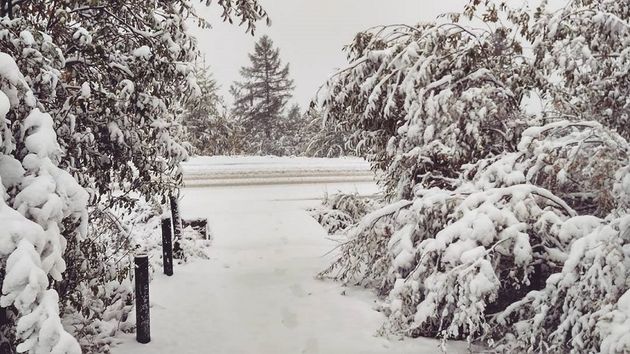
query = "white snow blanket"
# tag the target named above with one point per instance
(257, 294)
(243, 170)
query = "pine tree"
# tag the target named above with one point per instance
(293, 134)
(208, 127)
(294, 114)
(262, 96)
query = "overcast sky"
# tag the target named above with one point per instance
(310, 35)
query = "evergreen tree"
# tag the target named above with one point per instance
(208, 127)
(294, 114)
(293, 134)
(262, 96)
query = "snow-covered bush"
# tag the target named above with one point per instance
(450, 262)
(446, 258)
(39, 204)
(580, 162)
(364, 258)
(422, 101)
(520, 244)
(340, 211)
(581, 308)
(490, 251)
(100, 291)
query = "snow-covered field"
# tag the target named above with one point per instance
(253, 170)
(257, 293)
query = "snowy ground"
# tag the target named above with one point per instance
(257, 293)
(253, 170)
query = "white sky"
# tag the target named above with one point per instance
(310, 35)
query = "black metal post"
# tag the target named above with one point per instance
(178, 252)
(143, 318)
(167, 246)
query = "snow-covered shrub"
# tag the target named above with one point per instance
(580, 162)
(583, 307)
(39, 205)
(340, 211)
(447, 258)
(491, 250)
(421, 101)
(521, 244)
(449, 262)
(100, 291)
(364, 258)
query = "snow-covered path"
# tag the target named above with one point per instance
(257, 293)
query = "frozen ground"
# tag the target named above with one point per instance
(257, 293)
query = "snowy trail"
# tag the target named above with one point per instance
(257, 293)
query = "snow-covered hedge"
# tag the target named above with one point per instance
(506, 254)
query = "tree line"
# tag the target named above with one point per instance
(261, 121)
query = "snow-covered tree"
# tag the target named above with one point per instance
(586, 44)
(422, 101)
(95, 91)
(39, 203)
(502, 227)
(208, 128)
(341, 211)
(293, 135)
(580, 54)
(114, 84)
(261, 97)
(326, 138)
